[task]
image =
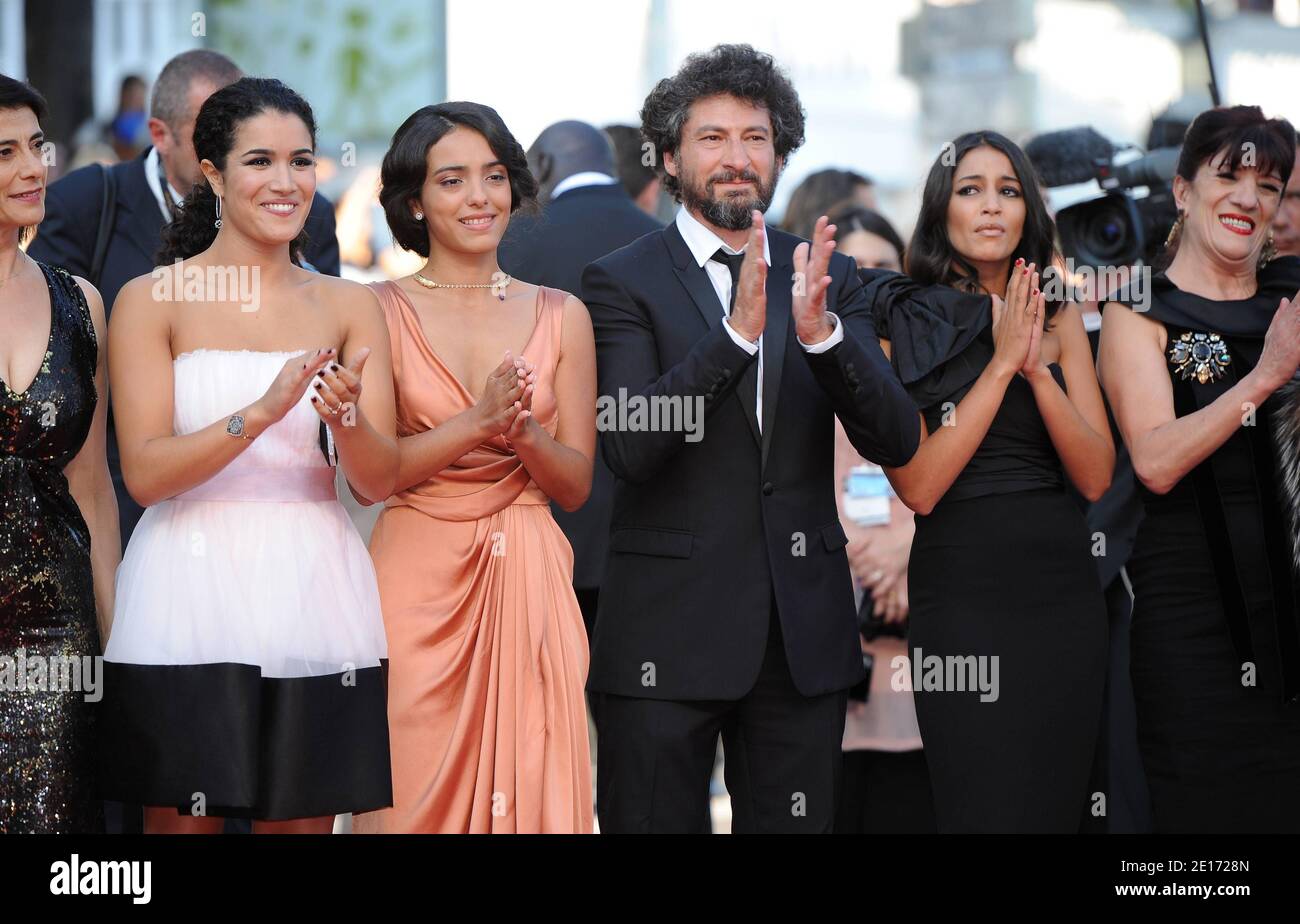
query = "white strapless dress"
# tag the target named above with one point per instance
(247, 657)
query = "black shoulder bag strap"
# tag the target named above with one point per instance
(107, 212)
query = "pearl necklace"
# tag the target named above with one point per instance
(499, 285)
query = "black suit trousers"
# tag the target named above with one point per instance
(781, 751)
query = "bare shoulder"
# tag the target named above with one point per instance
(524, 291)
(575, 310)
(141, 300)
(1118, 319)
(1069, 317)
(346, 299)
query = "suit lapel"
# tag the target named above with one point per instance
(775, 334)
(141, 218)
(696, 281)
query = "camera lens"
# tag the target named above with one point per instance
(1106, 234)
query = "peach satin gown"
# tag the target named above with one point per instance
(487, 650)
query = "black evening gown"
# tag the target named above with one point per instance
(1003, 588)
(47, 600)
(1215, 657)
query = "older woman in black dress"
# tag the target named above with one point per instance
(1008, 625)
(58, 537)
(1201, 383)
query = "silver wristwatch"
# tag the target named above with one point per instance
(235, 427)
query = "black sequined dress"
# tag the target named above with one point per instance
(47, 601)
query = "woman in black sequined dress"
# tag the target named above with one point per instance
(58, 518)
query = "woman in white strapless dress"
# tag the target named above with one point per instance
(245, 672)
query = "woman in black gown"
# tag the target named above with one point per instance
(1199, 373)
(58, 504)
(1008, 625)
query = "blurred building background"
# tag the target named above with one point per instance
(884, 83)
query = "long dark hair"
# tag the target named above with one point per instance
(931, 258)
(218, 121)
(406, 165)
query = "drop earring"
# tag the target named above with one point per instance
(1268, 253)
(1176, 231)
(217, 224)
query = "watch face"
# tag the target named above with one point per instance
(235, 426)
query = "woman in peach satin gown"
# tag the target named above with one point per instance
(487, 649)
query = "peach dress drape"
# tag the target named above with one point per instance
(487, 650)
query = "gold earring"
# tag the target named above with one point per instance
(1269, 251)
(1176, 231)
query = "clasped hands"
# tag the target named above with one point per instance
(1018, 325)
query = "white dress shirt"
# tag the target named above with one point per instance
(577, 180)
(703, 244)
(155, 185)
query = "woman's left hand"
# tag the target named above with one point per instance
(336, 390)
(1034, 366)
(521, 428)
(894, 607)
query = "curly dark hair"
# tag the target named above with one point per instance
(406, 165)
(730, 70)
(214, 137)
(932, 260)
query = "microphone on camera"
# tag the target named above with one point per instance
(1069, 156)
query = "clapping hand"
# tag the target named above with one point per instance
(1281, 355)
(338, 388)
(749, 313)
(808, 301)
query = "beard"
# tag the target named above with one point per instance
(732, 210)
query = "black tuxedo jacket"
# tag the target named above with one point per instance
(707, 535)
(66, 238)
(580, 226)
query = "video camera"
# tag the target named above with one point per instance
(1119, 211)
